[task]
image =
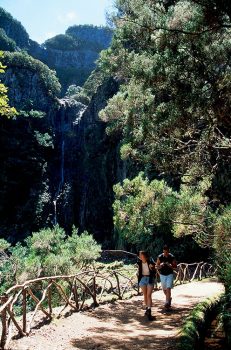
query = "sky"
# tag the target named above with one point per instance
(43, 19)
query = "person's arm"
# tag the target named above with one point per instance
(159, 264)
(173, 264)
(138, 267)
(152, 265)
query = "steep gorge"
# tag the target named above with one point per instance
(58, 165)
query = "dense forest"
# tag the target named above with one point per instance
(138, 155)
(172, 113)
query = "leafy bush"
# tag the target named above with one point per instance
(148, 212)
(73, 90)
(32, 114)
(45, 253)
(44, 140)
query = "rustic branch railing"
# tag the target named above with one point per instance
(73, 291)
(190, 272)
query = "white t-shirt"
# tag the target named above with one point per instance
(145, 269)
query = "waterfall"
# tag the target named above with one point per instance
(62, 164)
(61, 182)
(55, 212)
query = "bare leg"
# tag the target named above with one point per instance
(144, 290)
(149, 296)
(168, 295)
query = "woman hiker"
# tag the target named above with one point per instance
(146, 280)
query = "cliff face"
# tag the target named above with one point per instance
(74, 54)
(14, 29)
(99, 168)
(58, 166)
(72, 67)
(26, 150)
(26, 89)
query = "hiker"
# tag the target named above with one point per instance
(166, 263)
(146, 279)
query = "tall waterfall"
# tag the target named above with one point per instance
(61, 182)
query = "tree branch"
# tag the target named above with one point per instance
(180, 31)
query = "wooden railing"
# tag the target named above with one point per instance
(40, 296)
(190, 272)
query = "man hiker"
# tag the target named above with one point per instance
(166, 263)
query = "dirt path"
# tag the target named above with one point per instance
(121, 325)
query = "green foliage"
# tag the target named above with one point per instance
(194, 324)
(173, 105)
(172, 111)
(23, 60)
(140, 209)
(6, 44)
(83, 249)
(96, 79)
(77, 93)
(46, 253)
(32, 114)
(80, 38)
(4, 245)
(222, 243)
(14, 29)
(62, 42)
(73, 90)
(226, 309)
(44, 140)
(144, 211)
(5, 109)
(90, 37)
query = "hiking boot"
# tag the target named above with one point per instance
(148, 313)
(167, 305)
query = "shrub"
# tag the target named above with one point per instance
(195, 323)
(45, 253)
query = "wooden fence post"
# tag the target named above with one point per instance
(76, 297)
(94, 291)
(49, 297)
(118, 285)
(4, 299)
(24, 293)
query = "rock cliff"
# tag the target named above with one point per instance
(58, 166)
(72, 55)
